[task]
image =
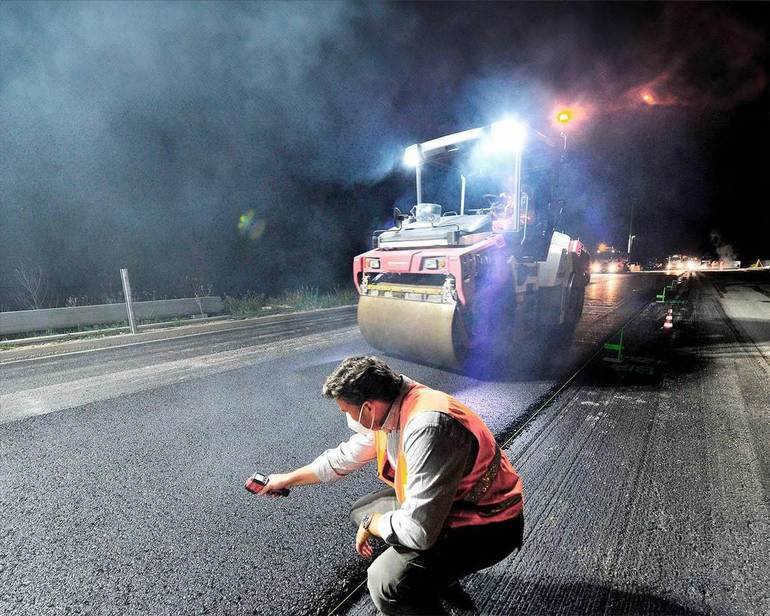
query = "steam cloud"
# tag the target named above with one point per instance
(140, 135)
(724, 251)
(719, 68)
(137, 129)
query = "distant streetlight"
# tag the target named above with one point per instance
(563, 118)
(630, 243)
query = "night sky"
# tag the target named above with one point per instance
(257, 145)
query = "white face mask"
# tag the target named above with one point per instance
(356, 425)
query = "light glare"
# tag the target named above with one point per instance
(412, 156)
(508, 135)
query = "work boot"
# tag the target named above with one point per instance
(459, 602)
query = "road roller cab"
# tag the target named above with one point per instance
(446, 284)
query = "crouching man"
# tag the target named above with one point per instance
(454, 505)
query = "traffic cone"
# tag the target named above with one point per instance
(669, 322)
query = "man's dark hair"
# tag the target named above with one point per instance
(358, 379)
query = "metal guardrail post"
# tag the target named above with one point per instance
(129, 301)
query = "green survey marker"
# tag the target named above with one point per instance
(615, 346)
(660, 298)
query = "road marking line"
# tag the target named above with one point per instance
(71, 394)
(143, 342)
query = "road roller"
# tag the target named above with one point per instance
(476, 268)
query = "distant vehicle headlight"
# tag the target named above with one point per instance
(596, 268)
(373, 263)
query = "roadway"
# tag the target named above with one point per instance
(123, 467)
(647, 482)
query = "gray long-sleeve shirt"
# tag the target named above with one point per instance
(439, 451)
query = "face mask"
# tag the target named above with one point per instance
(356, 425)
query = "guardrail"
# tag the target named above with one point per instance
(21, 321)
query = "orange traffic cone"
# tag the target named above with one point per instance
(669, 322)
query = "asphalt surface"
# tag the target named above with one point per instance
(123, 468)
(647, 482)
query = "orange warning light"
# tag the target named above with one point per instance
(648, 98)
(564, 116)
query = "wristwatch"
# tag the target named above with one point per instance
(367, 521)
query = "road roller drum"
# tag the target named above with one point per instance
(422, 331)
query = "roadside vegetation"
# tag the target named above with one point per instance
(303, 298)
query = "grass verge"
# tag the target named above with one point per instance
(302, 298)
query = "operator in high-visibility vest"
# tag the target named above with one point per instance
(454, 502)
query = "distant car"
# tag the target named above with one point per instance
(608, 266)
(607, 260)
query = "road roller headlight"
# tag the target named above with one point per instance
(373, 263)
(433, 263)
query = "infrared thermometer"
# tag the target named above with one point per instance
(257, 482)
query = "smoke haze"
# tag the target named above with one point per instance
(139, 134)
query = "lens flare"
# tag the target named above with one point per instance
(251, 226)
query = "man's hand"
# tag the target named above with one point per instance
(363, 536)
(303, 476)
(363, 544)
(277, 482)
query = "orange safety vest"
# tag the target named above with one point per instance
(490, 492)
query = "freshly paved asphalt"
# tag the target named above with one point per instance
(122, 469)
(647, 482)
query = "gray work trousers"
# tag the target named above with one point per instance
(406, 581)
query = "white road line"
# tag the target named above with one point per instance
(132, 344)
(51, 398)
